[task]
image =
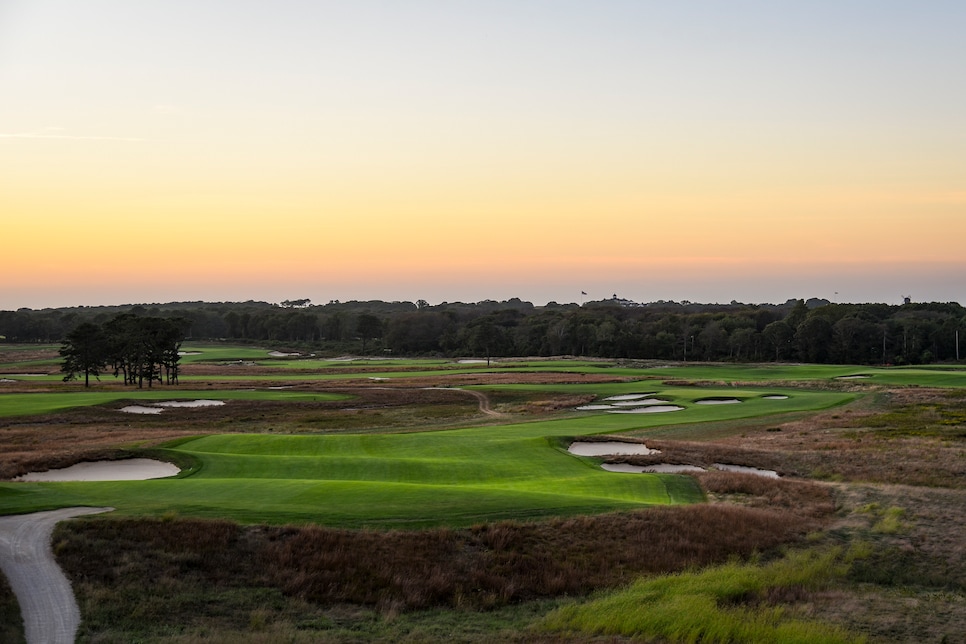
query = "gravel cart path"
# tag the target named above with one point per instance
(47, 603)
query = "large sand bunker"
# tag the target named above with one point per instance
(660, 468)
(650, 409)
(133, 469)
(609, 448)
(157, 408)
(141, 409)
(641, 402)
(743, 469)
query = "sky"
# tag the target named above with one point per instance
(551, 150)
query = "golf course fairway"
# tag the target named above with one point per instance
(453, 477)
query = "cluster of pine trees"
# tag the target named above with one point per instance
(798, 330)
(138, 349)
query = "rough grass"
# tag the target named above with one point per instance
(905, 436)
(732, 603)
(11, 624)
(158, 576)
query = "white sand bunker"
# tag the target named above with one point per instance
(743, 469)
(7, 380)
(609, 448)
(649, 409)
(717, 401)
(775, 397)
(642, 402)
(671, 468)
(282, 354)
(660, 468)
(157, 408)
(140, 409)
(134, 469)
(628, 396)
(475, 361)
(189, 353)
(191, 403)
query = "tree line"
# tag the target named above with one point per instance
(139, 349)
(798, 330)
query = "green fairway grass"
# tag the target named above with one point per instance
(455, 477)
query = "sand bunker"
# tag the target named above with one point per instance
(134, 469)
(660, 468)
(157, 408)
(772, 474)
(189, 353)
(191, 403)
(641, 403)
(140, 409)
(648, 409)
(7, 380)
(717, 401)
(280, 354)
(775, 397)
(672, 468)
(609, 448)
(475, 361)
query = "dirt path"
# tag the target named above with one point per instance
(47, 603)
(484, 402)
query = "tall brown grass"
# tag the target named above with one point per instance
(481, 567)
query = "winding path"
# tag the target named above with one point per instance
(50, 612)
(483, 400)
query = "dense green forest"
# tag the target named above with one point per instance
(797, 330)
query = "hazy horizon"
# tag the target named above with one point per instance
(582, 297)
(456, 151)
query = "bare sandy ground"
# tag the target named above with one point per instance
(47, 603)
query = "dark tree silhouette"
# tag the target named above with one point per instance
(84, 352)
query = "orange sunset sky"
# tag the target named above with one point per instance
(460, 151)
